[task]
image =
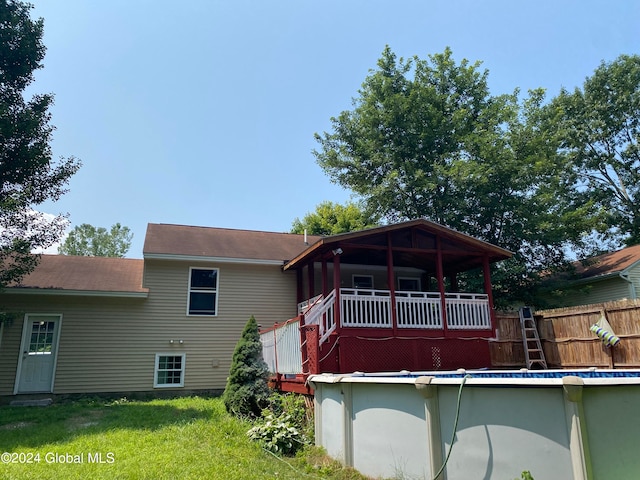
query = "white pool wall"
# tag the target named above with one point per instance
(557, 428)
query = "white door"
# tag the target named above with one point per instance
(37, 363)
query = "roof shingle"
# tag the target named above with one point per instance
(182, 240)
(98, 274)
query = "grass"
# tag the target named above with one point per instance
(183, 438)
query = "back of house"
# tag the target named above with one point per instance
(167, 322)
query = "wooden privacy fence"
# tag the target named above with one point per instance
(567, 340)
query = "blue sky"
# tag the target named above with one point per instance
(203, 112)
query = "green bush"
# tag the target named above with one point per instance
(278, 434)
(285, 426)
(247, 392)
(293, 405)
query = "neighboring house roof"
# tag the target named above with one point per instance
(180, 241)
(608, 264)
(76, 275)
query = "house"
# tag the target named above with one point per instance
(170, 321)
(603, 278)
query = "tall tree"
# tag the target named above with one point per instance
(600, 129)
(332, 218)
(28, 175)
(89, 241)
(426, 139)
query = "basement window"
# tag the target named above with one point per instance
(169, 370)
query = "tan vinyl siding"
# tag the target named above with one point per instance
(109, 344)
(9, 352)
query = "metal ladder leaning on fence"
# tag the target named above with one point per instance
(533, 353)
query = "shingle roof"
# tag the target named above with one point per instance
(608, 263)
(182, 240)
(85, 274)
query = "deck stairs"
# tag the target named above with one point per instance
(533, 352)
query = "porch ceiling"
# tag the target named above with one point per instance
(418, 259)
(414, 244)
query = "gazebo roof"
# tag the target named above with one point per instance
(414, 243)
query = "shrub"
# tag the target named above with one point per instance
(247, 392)
(278, 434)
(285, 426)
(295, 406)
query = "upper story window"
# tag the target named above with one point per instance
(203, 291)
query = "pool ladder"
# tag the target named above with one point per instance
(533, 353)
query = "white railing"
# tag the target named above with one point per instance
(418, 310)
(322, 313)
(307, 304)
(468, 311)
(365, 308)
(281, 348)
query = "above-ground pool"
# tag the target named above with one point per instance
(557, 424)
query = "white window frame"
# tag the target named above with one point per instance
(156, 369)
(416, 279)
(196, 290)
(353, 280)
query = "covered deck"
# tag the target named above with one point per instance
(386, 299)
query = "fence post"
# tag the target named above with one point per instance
(275, 349)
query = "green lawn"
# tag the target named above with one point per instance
(184, 438)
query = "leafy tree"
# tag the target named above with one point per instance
(426, 139)
(28, 175)
(332, 218)
(247, 392)
(600, 129)
(89, 241)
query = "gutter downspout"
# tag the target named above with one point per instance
(632, 287)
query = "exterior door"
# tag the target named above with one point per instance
(37, 363)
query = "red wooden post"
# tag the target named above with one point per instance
(440, 274)
(392, 287)
(311, 280)
(325, 280)
(336, 286)
(299, 287)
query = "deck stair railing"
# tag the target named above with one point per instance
(322, 313)
(308, 304)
